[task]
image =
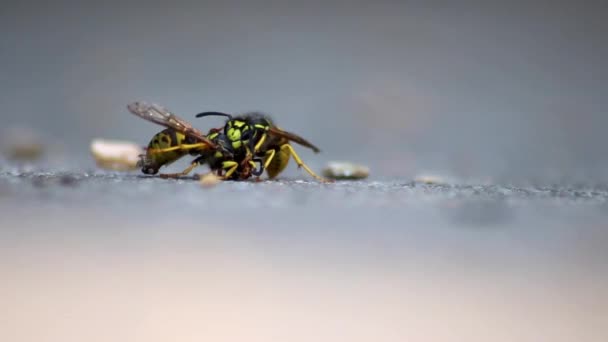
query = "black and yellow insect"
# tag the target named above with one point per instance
(180, 139)
(254, 135)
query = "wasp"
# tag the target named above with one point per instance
(255, 136)
(179, 139)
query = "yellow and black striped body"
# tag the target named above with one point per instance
(217, 160)
(180, 138)
(162, 151)
(245, 131)
(254, 136)
(260, 142)
(167, 138)
(280, 160)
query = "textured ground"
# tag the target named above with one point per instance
(104, 256)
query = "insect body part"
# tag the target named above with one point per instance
(180, 138)
(164, 117)
(222, 163)
(254, 135)
(165, 148)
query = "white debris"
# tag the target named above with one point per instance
(116, 155)
(345, 170)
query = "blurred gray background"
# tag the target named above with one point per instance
(506, 92)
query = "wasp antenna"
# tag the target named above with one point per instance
(200, 115)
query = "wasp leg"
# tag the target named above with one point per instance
(259, 144)
(269, 157)
(257, 172)
(180, 174)
(290, 150)
(251, 150)
(185, 147)
(247, 159)
(230, 167)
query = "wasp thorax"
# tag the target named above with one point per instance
(234, 134)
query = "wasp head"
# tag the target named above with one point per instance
(148, 165)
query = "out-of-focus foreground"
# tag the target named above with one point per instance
(151, 260)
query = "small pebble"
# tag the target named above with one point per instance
(26, 151)
(345, 170)
(22, 144)
(429, 179)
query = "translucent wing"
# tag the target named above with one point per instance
(273, 130)
(162, 116)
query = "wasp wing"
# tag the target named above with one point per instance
(273, 130)
(162, 116)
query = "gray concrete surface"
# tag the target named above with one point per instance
(507, 100)
(145, 259)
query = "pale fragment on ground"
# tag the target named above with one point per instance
(209, 180)
(430, 179)
(345, 170)
(25, 151)
(116, 155)
(22, 143)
